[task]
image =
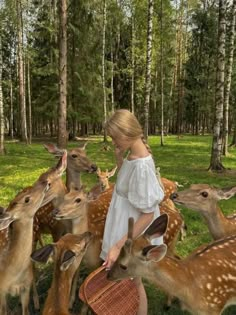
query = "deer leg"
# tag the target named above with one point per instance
(25, 298)
(3, 305)
(35, 294)
(73, 289)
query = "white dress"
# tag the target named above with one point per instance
(137, 191)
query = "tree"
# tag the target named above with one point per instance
(62, 112)
(2, 129)
(21, 74)
(216, 152)
(103, 66)
(148, 68)
(229, 68)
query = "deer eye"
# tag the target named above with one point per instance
(27, 199)
(77, 200)
(123, 267)
(74, 156)
(204, 194)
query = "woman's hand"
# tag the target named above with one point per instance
(111, 256)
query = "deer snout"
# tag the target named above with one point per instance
(173, 196)
(55, 212)
(93, 168)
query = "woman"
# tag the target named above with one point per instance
(137, 192)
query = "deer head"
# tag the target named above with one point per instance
(137, 254)
(202, 197)
(25, 204)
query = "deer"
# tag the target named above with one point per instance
(103, 182)
(167, 204)
(67, 254)
(204, 199)
(77, 162)
(90, 215)
(16, 274)
(204, 282)
(16, 237)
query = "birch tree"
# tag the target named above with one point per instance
(21, 78)
(216, 152)
(2, 149)
(103, 66)
(62, 112)
(229, 68)
(148, 67)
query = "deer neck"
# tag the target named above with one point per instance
(73, 178)
(170, 274)
(58, 298)
(80, 224)
(217, 222)
(20, 248)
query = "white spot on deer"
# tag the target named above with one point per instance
(209, 286)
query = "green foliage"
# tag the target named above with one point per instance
(184, 160)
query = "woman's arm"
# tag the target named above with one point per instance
(140, 225)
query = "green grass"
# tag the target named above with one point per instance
(184, 160)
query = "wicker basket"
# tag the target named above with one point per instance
(109, 297)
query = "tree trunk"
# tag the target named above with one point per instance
(112, 77)
(148, 68)
(23, 120)
(132, 61)
(62, 131)
(216, 152)
(162, 76)
(11, 131)
(228, 79)
(29, 102)
(103, 66)
(2, 149)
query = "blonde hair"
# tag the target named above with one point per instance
(124, 123)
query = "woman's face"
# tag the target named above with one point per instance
(121, 142)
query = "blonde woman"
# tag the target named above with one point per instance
(137, 192)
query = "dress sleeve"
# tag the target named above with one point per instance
(144, 191)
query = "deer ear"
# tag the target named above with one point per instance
(155, 253)
(53, 149)
(43, 254)
(62, 163)
(113, 171)
(226, 193)
(5, 222)
(68, 259)
(158, 227)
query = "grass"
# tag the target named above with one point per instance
(184, 160)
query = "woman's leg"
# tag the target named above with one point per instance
(143, 305)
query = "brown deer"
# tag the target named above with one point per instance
(204, 199)
(16, 274)
(90, 215)
(67, 254)
(204, 282)
(21, 213)
(77, 162)
(103, 182)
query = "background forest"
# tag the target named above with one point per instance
(66, 65)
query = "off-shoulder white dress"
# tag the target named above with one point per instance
(137, 191)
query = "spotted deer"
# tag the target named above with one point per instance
(204, 282)
(103, 182)
(77, 162)
(67, 254)
(90, 215)
(16, 274)
(204, 199)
